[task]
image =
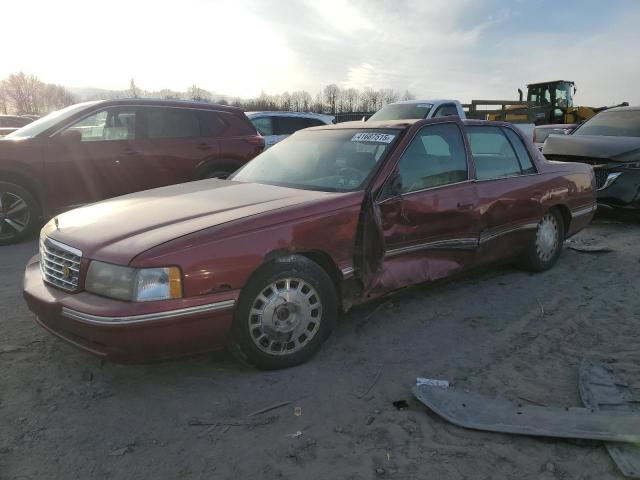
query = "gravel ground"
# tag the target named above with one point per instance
(501, 332)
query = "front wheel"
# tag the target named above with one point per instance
(19, 213)
(286, 311)
(546, 246)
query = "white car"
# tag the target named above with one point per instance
(276, 126)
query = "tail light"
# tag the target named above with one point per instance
(258, 142)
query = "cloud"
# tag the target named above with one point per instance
(441, 48)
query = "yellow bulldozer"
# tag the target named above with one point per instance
(546, 103)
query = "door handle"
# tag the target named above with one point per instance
(204, 146)
(465, 206)
(130, 151)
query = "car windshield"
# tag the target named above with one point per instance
(38, 126)
(402, 111)
(325, 160)
(619, 123)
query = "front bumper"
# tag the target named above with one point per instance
(622, 188)
(129, 332)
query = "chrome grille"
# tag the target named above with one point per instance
(601, 177)
(60, 264)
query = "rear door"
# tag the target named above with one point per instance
(508, 191)
(179, 141)
(430, 217)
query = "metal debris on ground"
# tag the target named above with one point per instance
(297, 411)
(479, 412)
(432, 382)
(295, 435)
(602, 391)
(589, 248)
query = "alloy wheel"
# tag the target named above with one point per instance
(285, 316)
(14, 215)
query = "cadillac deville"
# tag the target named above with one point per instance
(332, 217)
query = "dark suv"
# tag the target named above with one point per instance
(96, 150)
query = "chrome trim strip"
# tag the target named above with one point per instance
(487, 236)
(63, 246)
(461, 243)
(347, 271)
(584, 211)
(612, 177)
(148, 317)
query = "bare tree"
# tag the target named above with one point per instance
(198, 94)
(331, 93)
(26, 94)
(133, 89)
(407, 95)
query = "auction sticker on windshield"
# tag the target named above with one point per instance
(373, 137)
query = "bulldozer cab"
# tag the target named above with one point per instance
(551, 99)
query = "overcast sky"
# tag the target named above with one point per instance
(453, 48)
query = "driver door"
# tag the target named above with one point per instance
(87, 157)
(429, 210)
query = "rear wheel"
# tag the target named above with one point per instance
(19, 213)
(285, 313)
(546, 246)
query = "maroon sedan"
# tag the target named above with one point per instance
(329, 218)
(97, 150)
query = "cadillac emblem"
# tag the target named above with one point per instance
(66, 272)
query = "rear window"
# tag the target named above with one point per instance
(612, 124)
(289, 125)
(493, 153)
(172, 123)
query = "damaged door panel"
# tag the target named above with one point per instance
(478, 412)
(427, 211)
(602, 392)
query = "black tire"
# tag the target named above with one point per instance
(540, 255)
(19, 213)
(280, 349)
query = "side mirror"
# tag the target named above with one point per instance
(364, 118)
(71, 136)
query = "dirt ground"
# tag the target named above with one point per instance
(502, 332)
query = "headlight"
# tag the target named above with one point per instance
(133, 284)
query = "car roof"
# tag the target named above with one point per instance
(403, 124)
(284, 113)
(159, 102)
(433, 101)
(20, 117)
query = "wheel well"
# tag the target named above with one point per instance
(226, 164)
(565, 213)
(321, 258)
(24, 181)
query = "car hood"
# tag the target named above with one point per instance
(117, 230)
(615, 149)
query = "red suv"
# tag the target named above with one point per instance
(97, 150)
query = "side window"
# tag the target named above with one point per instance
(492, 153)
(109, 124)
(313, 122)
(446, 111)
(435, 157)
(264, 125)
(521, 151)
(212, 124)
(172, 122)
(289, 125)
